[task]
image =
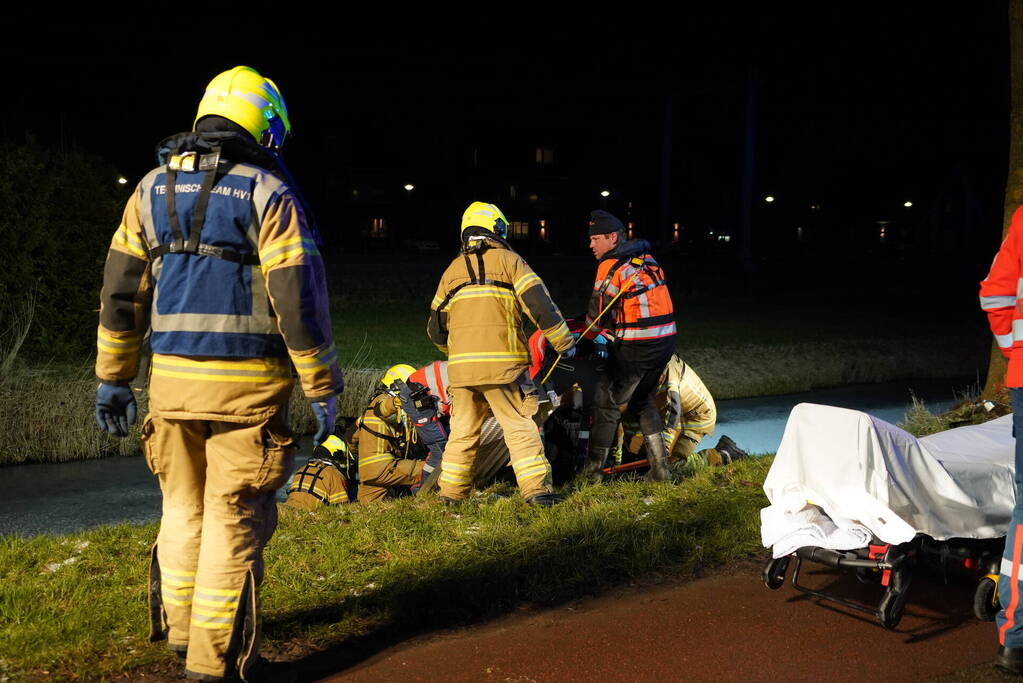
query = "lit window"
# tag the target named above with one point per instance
(518, 230)
(674, 234)
(544, 156)
(543, 230)
(378, 229)
(631, 226)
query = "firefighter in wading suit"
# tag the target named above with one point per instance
(324, 479)
(216, 255)
(383, 441)
(476, 319)
(631, 307)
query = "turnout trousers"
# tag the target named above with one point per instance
(219, 481)
(630, 381)
(1010, 581)
(514, 411)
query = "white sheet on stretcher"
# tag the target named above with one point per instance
(866, 473)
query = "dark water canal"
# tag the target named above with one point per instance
(69, 497)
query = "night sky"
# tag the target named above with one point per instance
(857, 105)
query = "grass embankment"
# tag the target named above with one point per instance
(74, 606)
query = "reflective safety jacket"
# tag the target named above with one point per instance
(226, 272)
(319, 482)
(435, 378)
(643, 311)
(476, 316)
(1000, 293)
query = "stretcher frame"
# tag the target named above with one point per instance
(893, 567)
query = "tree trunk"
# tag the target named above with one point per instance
(995, 385)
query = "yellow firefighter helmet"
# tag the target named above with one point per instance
(486, 216)
(248, 99)
(402, 372)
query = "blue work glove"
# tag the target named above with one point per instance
(600, 346)
(115, 408)
(570, 353)
(326, 413)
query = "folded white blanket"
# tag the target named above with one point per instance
(785, 531)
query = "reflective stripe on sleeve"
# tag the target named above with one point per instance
(993, 302)
(1004, 341)
(279, 251)
(118, 345)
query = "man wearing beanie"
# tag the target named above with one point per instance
(631, 307)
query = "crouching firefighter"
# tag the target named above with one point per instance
(383, 441)
(326, 479)
(216, 254)
(476, 319)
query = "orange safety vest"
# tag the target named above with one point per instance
(643, 311)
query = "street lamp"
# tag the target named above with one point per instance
(908, 204)
(769, 198)
(605, 194)
(121, 180)
(409, 187)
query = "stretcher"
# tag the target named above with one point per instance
(855, 493)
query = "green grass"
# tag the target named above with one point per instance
(74, 606)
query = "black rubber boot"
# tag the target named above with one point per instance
(544, 499)
(595, 459)
(1010, 659)
(655, 453)
(726, 445)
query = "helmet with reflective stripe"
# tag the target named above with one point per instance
(245, 97)
(486, 216)
(402, 372)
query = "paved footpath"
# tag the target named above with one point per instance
(727, 627)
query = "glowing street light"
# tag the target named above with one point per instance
(908, 204)
(769, 198)
(605, 194)
(122, 180)
(409, 187)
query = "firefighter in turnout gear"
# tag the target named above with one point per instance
(324, 479)
(689, 414)
(476, 319)
(630, 305)
(383, 440)
(216, 256)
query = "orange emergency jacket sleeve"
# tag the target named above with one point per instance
(125, 299)
(297, 286)
(999, 292)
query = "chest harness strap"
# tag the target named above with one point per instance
(208, 163)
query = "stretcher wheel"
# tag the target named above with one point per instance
(774, 572)
(985, 599)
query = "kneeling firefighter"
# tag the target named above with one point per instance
(327, 479)
(689, 413)
(216, 254)
(383, 440)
